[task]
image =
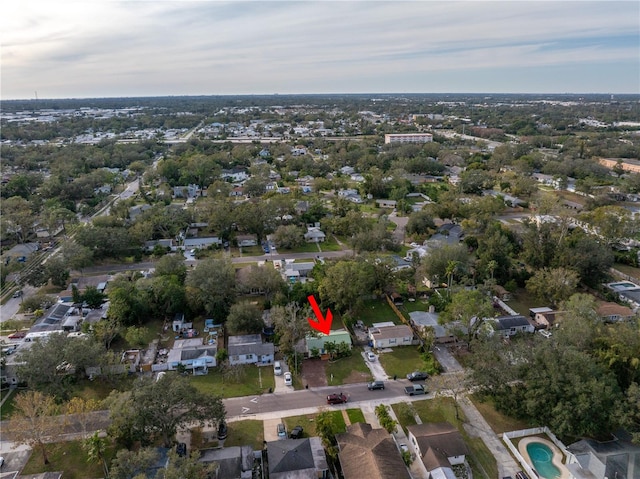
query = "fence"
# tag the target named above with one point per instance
(507, 436)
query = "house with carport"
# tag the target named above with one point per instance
(338, 336)
(249, 349)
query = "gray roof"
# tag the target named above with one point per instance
(614, 458)
(508, 322)
(265, 349)
(232, 461)
(426, 319)
(296, 458)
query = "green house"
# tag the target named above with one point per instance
(339, 336)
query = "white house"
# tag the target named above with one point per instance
(193, 355)
(201, 243)
(314, 235)
(249, 349)
(439, 447)
(391, 336)
(245, 241)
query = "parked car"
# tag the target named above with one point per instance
(416, 390)
(288, 380)
(404, 448)
(339, 398)
(417, 376)
(371, 357)
(296, 432)
(375, 385)
(545, 333)
(1, 461)
(277, 368)
(17, 294)
(282, 431)
(17, 335)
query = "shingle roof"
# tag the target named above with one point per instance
(370, 453)
(440, 436)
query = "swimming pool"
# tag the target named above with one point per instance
(541, 456)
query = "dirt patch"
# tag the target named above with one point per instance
(357, 377)
(314, 373)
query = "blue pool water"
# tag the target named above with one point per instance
(541, 456)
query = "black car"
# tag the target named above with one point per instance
(296, 432)
(375, 385)
(417, 376)
(222, 431)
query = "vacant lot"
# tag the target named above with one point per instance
(314, 372)
(249, 381)
(308, 423)
(401, 361)
(248, 432)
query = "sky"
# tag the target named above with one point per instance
(104, 48)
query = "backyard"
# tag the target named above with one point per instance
(376, 311)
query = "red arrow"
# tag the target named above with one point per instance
(323, 324)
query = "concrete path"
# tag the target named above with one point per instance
(377, 371)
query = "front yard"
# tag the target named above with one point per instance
(348, 370)
(252, 380)
(401, 361)
(307, 421)
(248, 432)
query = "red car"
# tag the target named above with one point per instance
(337, 398)
(17, 335)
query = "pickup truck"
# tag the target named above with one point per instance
(415, 390)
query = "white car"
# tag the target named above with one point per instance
(371, 357)
(545, 333)
(288, 380)
(277, 368)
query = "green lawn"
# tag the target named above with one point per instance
(7, 406)
(70, 457)
(247, 432)
(305, 248)
(307, 421)
(252, 251)
(522, 301)
(411, 306)
(498, 421)
(330, 244)
(376, 311)
(401, 361)
(351, 369)
(254, 381)
(355, 415)
(442, 409)
(102, 387)
(628, 270)
(405, 414)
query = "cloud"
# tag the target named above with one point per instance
(184, 47)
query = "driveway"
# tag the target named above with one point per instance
(378, 372)
(271, 429)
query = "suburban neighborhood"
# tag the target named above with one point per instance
(168, 266)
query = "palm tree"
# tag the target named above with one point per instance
(450, 270)
(95, 447)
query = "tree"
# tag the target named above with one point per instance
(132, 464)
(326, 429)
(36, 276)
(612, 223)
(211, 287)
(136, 337)
(420, 223)
(38, 363)
(57, 271)
(553, 285)
(244, 317)
(154, 410)
(386, 421)
(260, 278)
(17, 217)
(95, 447)
(93, 297)
(288, 236)
(378, 238)
(187, 467)
(467, 311)
(172, 265)
(291, 326)
(344, 284)
(106, 330)
(434, 264)
(33, 422)
(75, 255)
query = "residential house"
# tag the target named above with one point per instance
(386, 203)
(347, 170)
(193, 355)
(371, 453)
(235, 175)
(345, 193)
(627, 291)
(245, 241)
(617, 458)
(391, 336)
(167, 243)
(501, 293)
(249, 349)
(439, 447)
(293, 272)
(338, 336)
(237, 192)
(235, 462)
(613, 312)
(189, 191)
(297, 459)
(444, 333)
(137, 210)
(201, 243)
(314, 235)
(544, 319)
(510, 325)
(357, 177)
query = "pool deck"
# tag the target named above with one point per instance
(557, 454)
